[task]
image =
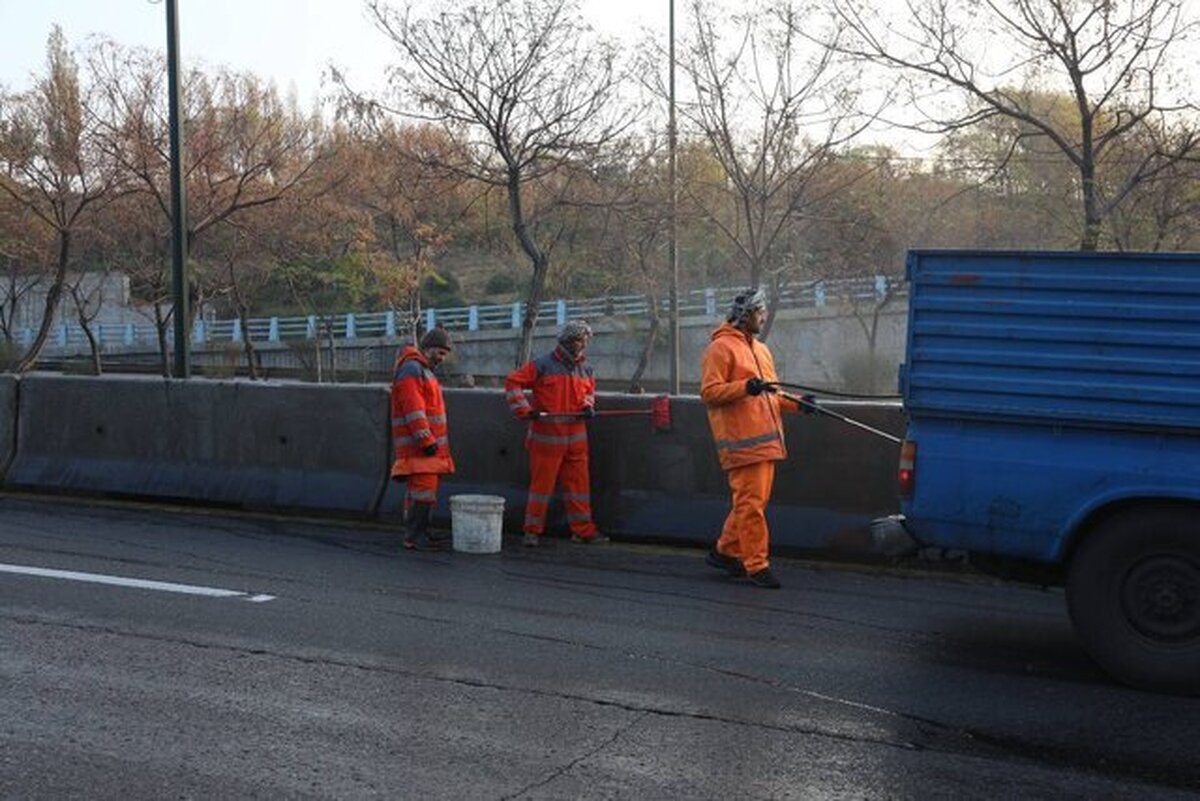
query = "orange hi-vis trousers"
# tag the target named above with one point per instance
(420, 488)
(745, 534)
(547, 465)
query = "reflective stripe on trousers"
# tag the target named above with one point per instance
(420, 488)
(547, 466)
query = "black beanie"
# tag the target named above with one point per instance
(436, 338)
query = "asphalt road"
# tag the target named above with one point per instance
(338, 666)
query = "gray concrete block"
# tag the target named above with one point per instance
(669, 486)
(276, 446)
(9, 389)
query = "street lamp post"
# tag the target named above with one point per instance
(183, 361)
(672, 252)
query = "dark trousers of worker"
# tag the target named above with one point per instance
(745, 536)
(550, 465)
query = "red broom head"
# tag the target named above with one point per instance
(660, 412)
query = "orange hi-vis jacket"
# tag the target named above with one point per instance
(559, 385)
(747, 428)
(418, 417)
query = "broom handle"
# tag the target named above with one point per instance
(599, 413)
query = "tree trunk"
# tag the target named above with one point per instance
(773, 293)
(537, 288)
(53, 296)
(332, 339)
(648, 347)
(161, 321)
(1091, 215)
(93, 343)
(247, 339)
(539, 260)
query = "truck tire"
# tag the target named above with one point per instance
(1133, 593)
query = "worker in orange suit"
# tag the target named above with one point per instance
(420, 436)
(561, 396)
(744, 413)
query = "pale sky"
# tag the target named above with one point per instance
(287, 41)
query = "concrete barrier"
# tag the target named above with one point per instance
(271, 446)
(314, 447)
(9, 387)
(669, 486)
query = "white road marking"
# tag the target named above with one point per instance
(141, 584)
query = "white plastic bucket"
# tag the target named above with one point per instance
(476, 522)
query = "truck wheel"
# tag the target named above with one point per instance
(1133, 592)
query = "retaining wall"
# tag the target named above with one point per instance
(828, 346)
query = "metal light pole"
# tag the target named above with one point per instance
(183, 359)
(672, 254)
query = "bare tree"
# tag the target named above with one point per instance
(245, 147)
(521, 85)
(1162, 213)
(1113, 60)
(240, 262)
(321, 241)
(87, 296)
(411, 203)
(23, 268)
(773, 107)
(630, 212)
(50, 166)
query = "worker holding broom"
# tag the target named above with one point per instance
(737, 385)
(563, 391)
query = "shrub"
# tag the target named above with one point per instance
(501, 284)
(441, 290)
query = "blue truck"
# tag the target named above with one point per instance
(1053, 405)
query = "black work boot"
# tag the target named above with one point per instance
(765, 579)
(722, 562)
(418, 538)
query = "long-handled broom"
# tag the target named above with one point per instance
(659, 411)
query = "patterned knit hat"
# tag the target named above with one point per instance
(574, 329)
(436, 338)
(745, 302)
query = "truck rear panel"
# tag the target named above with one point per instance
(1091, 338)
(1041, 386)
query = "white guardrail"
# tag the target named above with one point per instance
(70, 338)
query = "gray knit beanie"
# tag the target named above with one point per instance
(574, 329)
(745, 302)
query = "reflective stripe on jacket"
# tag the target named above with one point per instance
(418, 417)
(558, 385)
(746, 428)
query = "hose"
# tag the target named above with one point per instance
(830, 392)
(815, 407)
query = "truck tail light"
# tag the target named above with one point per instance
(907, 475)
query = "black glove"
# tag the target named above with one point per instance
(534, 414)
(588, 411)
(430, 449)
(756, 386)
(808, 404)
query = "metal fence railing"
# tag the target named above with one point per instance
(70, 337)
